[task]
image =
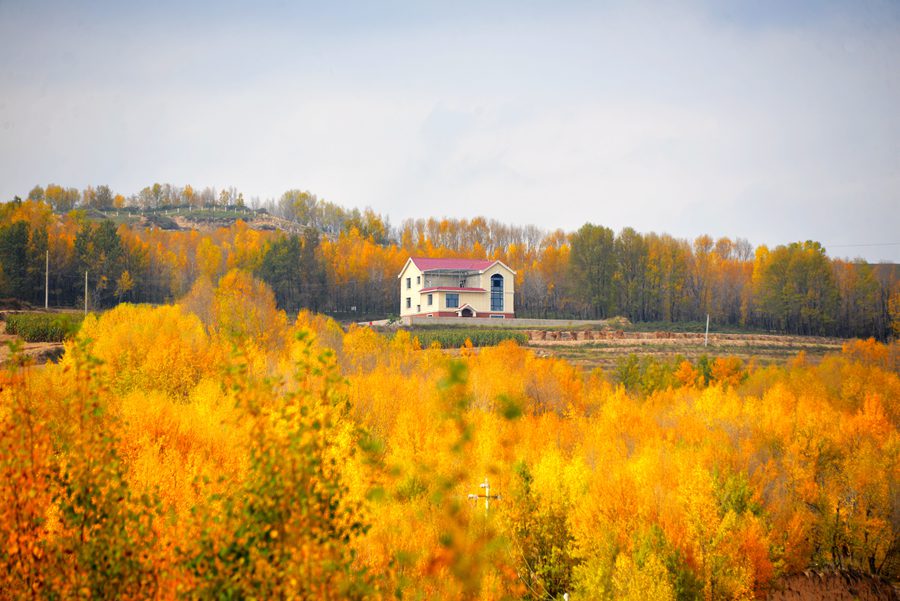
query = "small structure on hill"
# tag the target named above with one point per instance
(456, 288)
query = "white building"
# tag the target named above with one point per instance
(456, 288)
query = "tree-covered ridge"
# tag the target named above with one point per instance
(346, 262)
(217, 449)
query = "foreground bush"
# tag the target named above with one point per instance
(276, 466)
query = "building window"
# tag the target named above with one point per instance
(408, 302)
(418, 280)
(430, 299)
(452, 300)
(408, 283)
(418, 308)
(496, 292)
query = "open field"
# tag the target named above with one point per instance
(603, 347)
(571, 325)
(603, 353)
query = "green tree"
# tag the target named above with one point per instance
(859, 306)
(542, 540)
(281, 270)
(299, 206)
(103, 197)
(592, 264)
(292, 269)
(36, 194)
(22, 249)
(99, 251)
(369, 224)
(14, 259)
(796, 290)
(630, 274)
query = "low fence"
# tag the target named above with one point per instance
(487, 322)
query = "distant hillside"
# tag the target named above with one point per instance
(203, 219)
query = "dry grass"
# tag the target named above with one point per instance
(762, 348)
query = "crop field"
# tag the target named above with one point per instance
(457, 337)
(37, 335)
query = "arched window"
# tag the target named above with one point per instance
(496, 292)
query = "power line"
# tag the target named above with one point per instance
(863, 244)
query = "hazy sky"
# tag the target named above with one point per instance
(774, 121)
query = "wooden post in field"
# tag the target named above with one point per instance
(47, 282)
(85, 292)
(706, 338)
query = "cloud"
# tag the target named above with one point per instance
(774, 124)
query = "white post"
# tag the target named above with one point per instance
(487, 495)
(47, 282)
(706, 339)
(85, 292)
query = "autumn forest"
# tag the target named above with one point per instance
(210, 433)
(340, 261)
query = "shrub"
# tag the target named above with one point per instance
(649, 374)
(43, 327)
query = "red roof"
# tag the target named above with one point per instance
(451, 289)
(428, 264)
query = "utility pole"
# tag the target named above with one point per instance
(487, 496)
(47, 282)
(85, 292)
(706, 339)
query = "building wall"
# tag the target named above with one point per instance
(474, 299)
(412, 272)
(509, 280)
(451, 316)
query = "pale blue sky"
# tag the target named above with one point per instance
(742, 119)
